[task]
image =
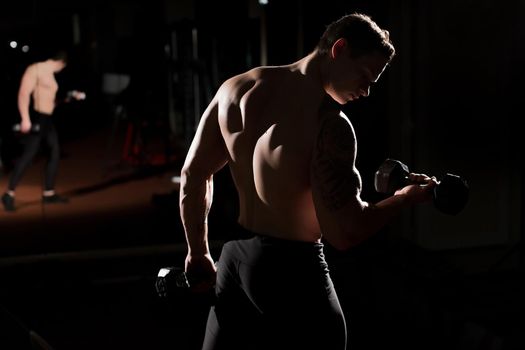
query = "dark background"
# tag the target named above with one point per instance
(450, 102)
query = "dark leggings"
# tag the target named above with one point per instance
(274, 294)
(32, 141)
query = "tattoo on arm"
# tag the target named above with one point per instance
(334, 171)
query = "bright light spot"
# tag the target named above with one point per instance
(13, 44)
(25, 48)
(263, 2)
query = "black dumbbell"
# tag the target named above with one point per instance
(35, 128)
(173, 282)
(450, 195)
(171, 279)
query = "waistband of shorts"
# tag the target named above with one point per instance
(38, 116)
(244, 233)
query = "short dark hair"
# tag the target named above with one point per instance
(363, 35)
(60, 55)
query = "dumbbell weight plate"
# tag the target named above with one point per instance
(391, 176)
(452, 194)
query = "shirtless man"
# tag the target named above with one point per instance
(38, 85)
(292, 155)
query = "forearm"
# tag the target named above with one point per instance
(371, 218)
(351, 226)
(377, 215)
(195, 203)
(23, 107)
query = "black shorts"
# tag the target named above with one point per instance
(274, 294)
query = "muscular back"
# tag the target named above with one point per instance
(269, 131)
(292, 154)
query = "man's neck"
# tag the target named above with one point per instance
(311, 66)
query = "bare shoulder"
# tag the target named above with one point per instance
(235, 87)
(244, 96)
(32, 70)
(29, 79)
(336, 138)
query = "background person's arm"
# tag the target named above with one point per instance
(27, 86)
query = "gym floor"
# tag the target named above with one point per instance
(82, 274)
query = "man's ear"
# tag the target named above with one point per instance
(338, 47)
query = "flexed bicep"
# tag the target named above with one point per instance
(336, 183)
(334, 175)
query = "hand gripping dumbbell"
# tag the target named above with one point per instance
(450, 195)
(35, 128)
